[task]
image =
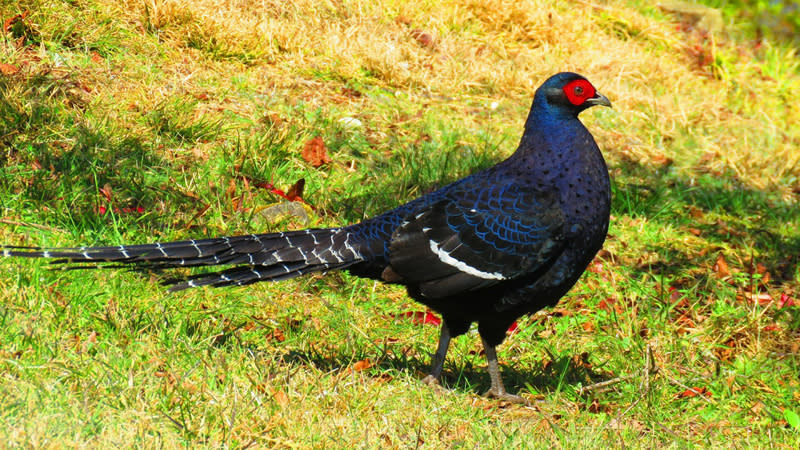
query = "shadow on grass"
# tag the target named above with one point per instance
(45, 165)
(757, 223)
(462, 374)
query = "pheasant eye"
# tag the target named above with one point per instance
(578, 91)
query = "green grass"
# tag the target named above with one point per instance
(168, 108)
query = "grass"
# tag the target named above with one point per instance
(181, 108)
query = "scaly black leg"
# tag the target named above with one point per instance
(497, 390)
(437, 362)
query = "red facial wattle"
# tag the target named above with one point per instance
(579, 91)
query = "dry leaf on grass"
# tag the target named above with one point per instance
(315, 152)
(694, 392)
(421, 317)
(721, 267)
(423, 38)
(280, 398)
(359, 366)
(8, 69)
(295, 192)
(9, 24)
(277, 335)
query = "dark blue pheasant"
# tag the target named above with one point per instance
(501, 243)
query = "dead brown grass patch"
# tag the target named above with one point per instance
(672, 108)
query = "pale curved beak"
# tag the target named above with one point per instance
(599, 100)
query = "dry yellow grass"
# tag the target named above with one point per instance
(673, 108)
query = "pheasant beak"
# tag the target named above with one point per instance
(598, 99)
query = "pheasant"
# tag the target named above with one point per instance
(501, 243)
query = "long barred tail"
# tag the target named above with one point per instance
(259, 257)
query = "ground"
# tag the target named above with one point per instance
(170, 119)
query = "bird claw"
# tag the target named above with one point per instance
(506, 397)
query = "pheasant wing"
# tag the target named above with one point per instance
(476, 238)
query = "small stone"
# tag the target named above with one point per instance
(350, 122)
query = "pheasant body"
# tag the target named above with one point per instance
(489, 248)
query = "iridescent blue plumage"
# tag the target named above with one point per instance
(500, 243)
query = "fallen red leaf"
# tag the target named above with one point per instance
(8, 69)
(315, 152)
(295, 193)
(10, 22)
(429, 318)
(421, 317)
(364, 364)
(278, 192)
(7, 24)
(609, 304)
(694, 392)
(126, 210)
(787, 301)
